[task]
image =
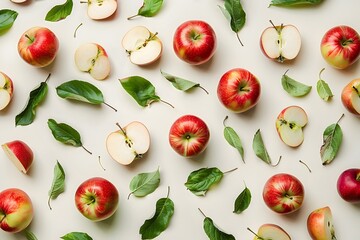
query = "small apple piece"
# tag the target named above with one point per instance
(143, 46)
(16, 210)
(348, 185)
(100, 9)
(281, 43)
(129, 143)
(270, 231)
(350, 96)
(20, 154)
(92, 58)
(18, 1)
(289, 125)
(320, 224)
(6, 90)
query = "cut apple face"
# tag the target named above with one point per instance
(142, 46)
(92, 58)
(271, 232)
(289, 125)
(6, 90)
(128, 143)
(101, 9)
(20, 154)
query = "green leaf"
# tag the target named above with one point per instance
(233, 139)
(27, 115)
(293, 87)
(213, 232)
(149, 8)
(294, 3)
(323, 88)
(259, 147)
(144, 183)
(242, 202)
(30, 235)
(332, 139)
(58, 183)
(59, 12)
(7, 18)
(154, 226)
(182, 84)
(200, 181)
(76, 236)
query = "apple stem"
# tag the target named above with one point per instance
(123, 131)
(357, 91)
(254, 233)
(83, 1)
(77, 29)
(277, 29)
(274, 165)
(225, 120)
(168, 192)
(133, 16)
(229, 171)
(238, 37)
(346, 42)
(358, 177)
(49, 202)
(110, 106)
(321, 72)
(28, 37)
(203, 89)
(202, 212)
(2, 217)
(86, 149)
(99, 160)
(285, 72)
(167, 103)
(342, 115)
(305, 165)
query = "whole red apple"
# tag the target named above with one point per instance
(340, 46)
(350, 96)
(97, 199)
(189, 136)
(38, 46)
(194, 42)
(20, 154)
(16, 210)
(238, 90)
(283, 193)
(348, 185)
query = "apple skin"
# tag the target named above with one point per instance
(283, 193)
(238, 90)
(9, 88)
(340, 46)
(348, 185)
(350, 96)
(189, 136)
(320, 225)
(97, 199)
(38, 46)
(23, 154)
(16, 210)
(194, 42)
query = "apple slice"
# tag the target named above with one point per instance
(142, 46)
(289, 125)
(6, 90)
(18, 1)
(100, 9)
(350, 96)
(20, 154)
(280, 43)
(129, 143)
(320, 224)
(92, 58)
(270, 231)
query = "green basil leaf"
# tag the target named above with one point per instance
(200, 181)
(59, 12)
(294, 3)
(233, 139)
(293, 87)
(182, 84)
(144, 183)
(30, 235)
(242, 202)
(323, 88)
(149, 8)
(7, 18)
(58, 183)
(154, 226)
(332, 139)
(259, 147)
(27, 115)
(76, 236)
(213, 232)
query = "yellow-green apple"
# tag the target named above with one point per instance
(97, 198)
(320, 224)
(194, 42)
(283, 193)
(16, 210)
(280, 43)
(189, 136)
(348, 185)
(269, 231)
(38, 46)
(20, 154)
(289, 125)
(128, 143)
(238, 90)
(142, 46)
(92, 58)
(340, 46)
(350, 96)
(6, 90)
(100, 9)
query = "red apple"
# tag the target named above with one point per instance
(348, 185)
(38, 46)
(283, 193)
(350, 96)
(238, 90)
(194, 42)
(189, 136)
(6, 90)
(320, 224)
(97, 199)
(20, 154)
(340, 46)
(16, 210)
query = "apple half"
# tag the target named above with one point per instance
(6, 90)
(270, 231)
(20, 154)
(92, 58)
(100, 9)
(129, 143)
(289, 125)
(320, 224)
(350, 96)
(143, 46)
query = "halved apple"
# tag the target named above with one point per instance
(6, 90)
(100, 9)
(92, 58)
(20, 154)
(129, 143)
(350, 96)
(270, 231)
(143, 46)
(320, 224)
(289, 125)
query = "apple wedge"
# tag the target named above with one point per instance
(270, 231)
(350, 96)
(320, 224)
(20, 154)
(100, 9)
(6, 90)
(129, 143)
(143, 46)
(92, 58)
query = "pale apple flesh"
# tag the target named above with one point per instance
(320, 224)
(350, 96)
(101, 9)
(6, 90)
(18, 1)
(20, 154)
(271, 231)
